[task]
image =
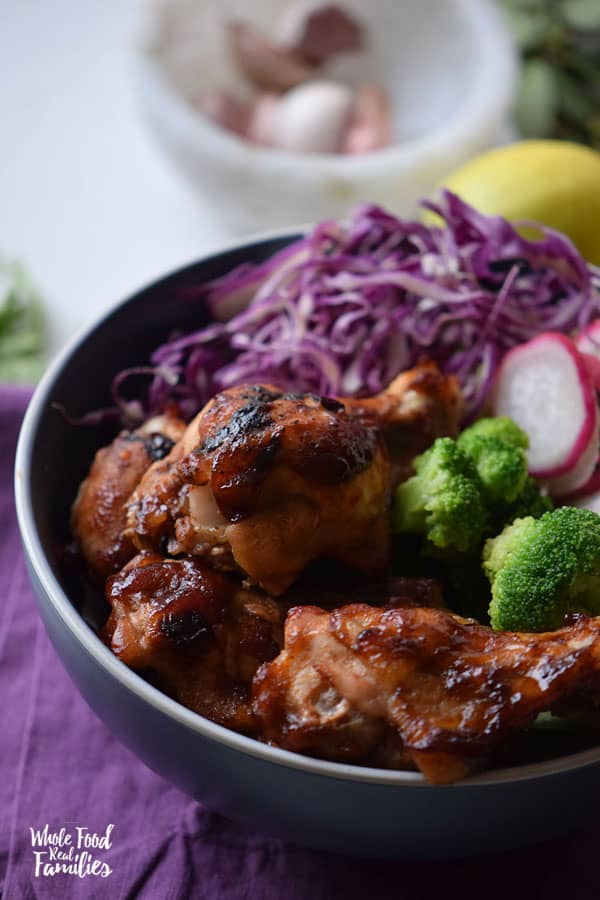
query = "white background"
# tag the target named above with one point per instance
(87, 200)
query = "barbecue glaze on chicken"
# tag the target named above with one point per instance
(98, 514)
(263, 482)
(451, 689)
(200, 636)
(419, 406)
(194, 632)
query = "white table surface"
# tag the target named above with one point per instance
(87, 200)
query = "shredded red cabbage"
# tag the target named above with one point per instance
(349, 306)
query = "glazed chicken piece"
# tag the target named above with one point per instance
(200, 637)
(98, 514)
(195, 633)
(264, 482)
(451, 689)
(419, 406)
(300, 709)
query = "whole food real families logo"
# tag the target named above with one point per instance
(73, 850)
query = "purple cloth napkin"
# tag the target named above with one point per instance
(60, 766)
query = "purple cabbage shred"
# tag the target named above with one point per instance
(345, 309)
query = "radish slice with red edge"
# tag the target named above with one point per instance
(591, 486)
(592, 364)
(588, 340)
(578, 477)
(590, 501)
(545, 387)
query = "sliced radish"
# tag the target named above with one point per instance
(592, 364)
(588, 340)
(545, 387)
(579, 475)
(590, 501)
(590, 487)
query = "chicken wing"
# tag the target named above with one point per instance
(200, 637)
(451, 689)
(98, 514)
(419, 406)
(264, 482)
(194, 632)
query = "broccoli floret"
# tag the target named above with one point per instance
(529, 502)
(443, 500)
(500, 427)
(501, 467)
(497, 447)
(499, 550)
(540, 569)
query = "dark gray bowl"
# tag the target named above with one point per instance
(354, 810)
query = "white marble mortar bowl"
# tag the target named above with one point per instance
(448, 67)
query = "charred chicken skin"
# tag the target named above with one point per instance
(98, 515)
(196, 633)
(452, 690)
(264, 482)
(199, 636)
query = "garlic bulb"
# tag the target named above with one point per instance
(320, 31)
(312, 118)
(370, 126)
(264, 64)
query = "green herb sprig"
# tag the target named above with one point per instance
(22, 333)
(559, 90)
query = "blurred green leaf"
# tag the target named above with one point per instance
(559, 93)
(582, 14)
(21, 326)
(530, 29)
(536, 100)
(572, 99)
(587, 45)
(588, 69)
(23, 369)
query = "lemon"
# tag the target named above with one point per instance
(556, 183)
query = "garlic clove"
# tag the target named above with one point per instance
(370, 126)
(225, 110)
(265, 65)
(320, 31)
(261, 129)
(312, 118)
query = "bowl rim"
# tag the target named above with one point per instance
(487, 101)
(130, 680)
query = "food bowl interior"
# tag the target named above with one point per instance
(125, 338)
(404, 52)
